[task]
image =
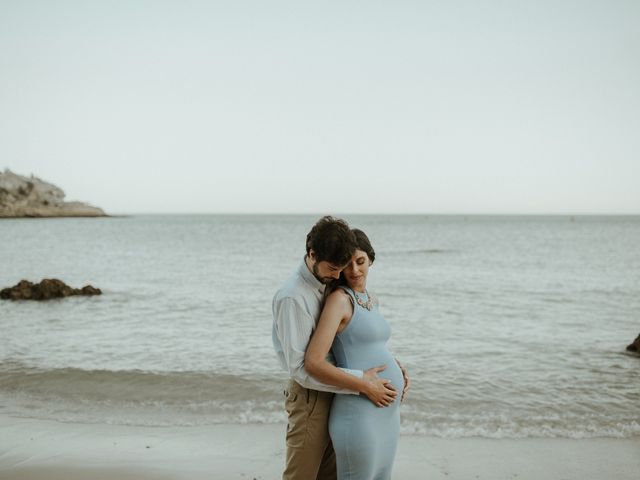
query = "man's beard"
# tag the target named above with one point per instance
(323, 280)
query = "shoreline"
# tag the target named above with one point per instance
(43, 449)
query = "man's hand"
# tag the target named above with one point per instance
(407, 380)
(379, 390)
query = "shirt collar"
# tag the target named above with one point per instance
(310, 277)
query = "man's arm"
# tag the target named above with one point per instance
(294, 327)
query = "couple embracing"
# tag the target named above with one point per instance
(343, 419)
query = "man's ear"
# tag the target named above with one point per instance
(312, 255)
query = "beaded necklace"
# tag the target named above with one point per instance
(368, 304)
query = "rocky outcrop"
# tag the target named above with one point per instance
(31, 197)
(634, 346)
(45, 290)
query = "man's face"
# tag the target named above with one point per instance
(324, 271)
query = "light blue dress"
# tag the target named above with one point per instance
(364, 436)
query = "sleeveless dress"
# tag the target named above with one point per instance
(364, 436)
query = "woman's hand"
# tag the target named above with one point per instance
(407, 380)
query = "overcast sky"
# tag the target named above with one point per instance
(314, 107)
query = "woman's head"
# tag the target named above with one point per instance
(355, 273)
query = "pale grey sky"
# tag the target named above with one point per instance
(332, 106)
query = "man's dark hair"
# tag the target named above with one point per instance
(332, 241)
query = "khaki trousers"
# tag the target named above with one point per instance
(310, 453)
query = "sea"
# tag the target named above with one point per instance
(510, 326)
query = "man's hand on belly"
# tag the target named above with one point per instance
(380, 390)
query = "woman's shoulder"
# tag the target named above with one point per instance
(339, 295)
(340, 298)
(343, 304)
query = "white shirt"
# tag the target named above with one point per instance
(296, 309)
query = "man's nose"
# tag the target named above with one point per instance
(335, 275)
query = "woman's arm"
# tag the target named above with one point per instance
(338, 308)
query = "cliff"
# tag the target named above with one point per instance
(31, 197)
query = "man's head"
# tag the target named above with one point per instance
(330, 245)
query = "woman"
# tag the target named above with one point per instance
(364, 435)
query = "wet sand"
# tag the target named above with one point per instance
(39, 449)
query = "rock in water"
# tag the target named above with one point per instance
(45, 290)
(635, 345)
(31, 197)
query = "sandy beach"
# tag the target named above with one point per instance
(38, 449)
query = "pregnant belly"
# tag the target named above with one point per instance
(393, 373)
(364, 360)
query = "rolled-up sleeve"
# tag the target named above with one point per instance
(293, 327)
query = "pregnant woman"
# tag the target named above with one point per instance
(364, 435)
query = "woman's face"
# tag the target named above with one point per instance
(356, 271)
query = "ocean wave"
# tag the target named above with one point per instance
(193, 398)
(501, 426)
(136, 397)
(134, 386)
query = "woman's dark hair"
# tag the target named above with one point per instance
(362, 243)
(332, 241)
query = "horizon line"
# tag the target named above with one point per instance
(417, 214)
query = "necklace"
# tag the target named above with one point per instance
(368, 304)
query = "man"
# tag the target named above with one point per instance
(296, 308)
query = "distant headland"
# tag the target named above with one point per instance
(32, 197)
